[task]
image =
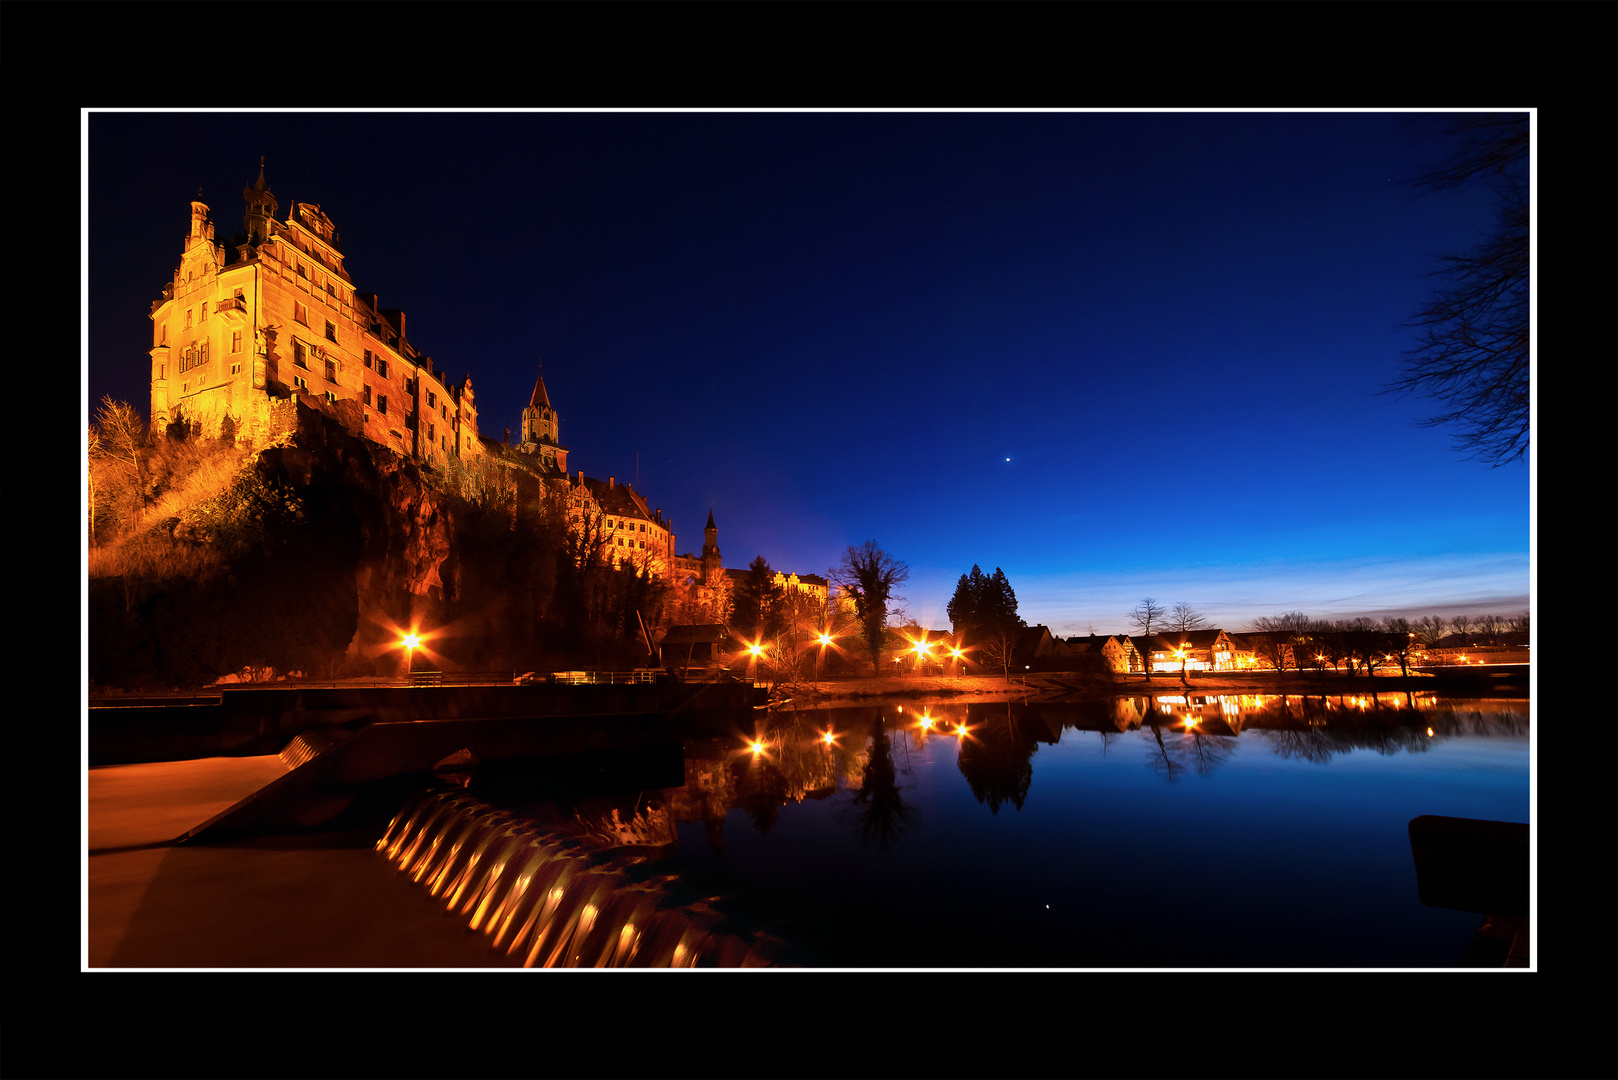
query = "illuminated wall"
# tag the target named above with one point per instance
(239, 327)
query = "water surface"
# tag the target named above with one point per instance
(1145, 832)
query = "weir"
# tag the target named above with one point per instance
(550, 902)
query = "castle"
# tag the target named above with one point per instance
(247, 326)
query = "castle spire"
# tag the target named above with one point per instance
(539, 399)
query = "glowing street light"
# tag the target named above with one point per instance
(411, 642)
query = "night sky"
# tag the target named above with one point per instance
(1117, 355)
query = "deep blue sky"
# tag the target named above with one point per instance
(1116, 354)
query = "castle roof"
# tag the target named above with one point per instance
(540, 399)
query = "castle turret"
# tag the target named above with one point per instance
(201, 227)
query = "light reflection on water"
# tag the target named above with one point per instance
(1149, 831)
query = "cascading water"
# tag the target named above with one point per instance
(554, 901)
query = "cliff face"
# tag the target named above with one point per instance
(381, 521)
(322, 549)
(328, 549)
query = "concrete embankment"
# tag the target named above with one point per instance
(255, 721)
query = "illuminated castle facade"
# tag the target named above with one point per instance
(244, 328)
(241, 327)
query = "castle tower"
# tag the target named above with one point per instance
(541, 429)
(261, 207)
(710, 550)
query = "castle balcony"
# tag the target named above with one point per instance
(233, 311)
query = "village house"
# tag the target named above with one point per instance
(1193, 650)
(1118, 651)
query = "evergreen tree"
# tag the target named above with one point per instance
(964, 606)
(757, 600)
(984, 612)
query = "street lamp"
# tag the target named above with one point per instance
(410, 642)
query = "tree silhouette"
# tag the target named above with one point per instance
(1473, 351)
(867, 576)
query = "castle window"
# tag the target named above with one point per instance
(202, 356)
(331, 330)
(300, 312)
(331, 398)
(367, 395)
(331, 371)
(188, 318)
(202, 314)
(297, 380)
(432, 399)
(367, 357)
(382, 407)
(234, 368)
(381, 367)
(298, 353)
(236, 341)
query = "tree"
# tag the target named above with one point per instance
(1491, 627)
(1473, 350)
(1430, 630)
(983, 613)
(121, 441)
(1148, 618)
(964, 606)
(93, 447)
(1462, 625)
(1401, 634)
(757, 599)
(867, 576)
(1284, 638)
(1184, 620)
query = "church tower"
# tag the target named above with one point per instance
(541, 429)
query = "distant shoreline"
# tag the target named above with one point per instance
(967, 688)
